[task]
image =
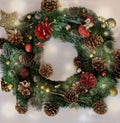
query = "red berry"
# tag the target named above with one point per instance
(28, 47)
(104, 74)
(24, 72)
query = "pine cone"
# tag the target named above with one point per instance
(78, 61)
(2, 40)
(24, 88)
(50, 109)
(100, 107)
(4, 86)
(117, 70)
(93, 42)
(45, 70)
(26, 59)
(117, 55)
(79, 88)
(98, 64)
(74, 11)
(49, 5)
(21, 109)
(71, 96)
(14, 36)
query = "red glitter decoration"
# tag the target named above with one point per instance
(83, 31)
(43, 30)
(88, 80)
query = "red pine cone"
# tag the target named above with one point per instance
(83, 31)
(43, 30)
(88, 80)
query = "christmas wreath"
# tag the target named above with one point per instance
(97, 64)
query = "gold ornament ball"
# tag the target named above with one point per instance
(30, 37)
(111, 22)
(7, 62)
(91, 55)
(102, 19)
(10, 86)
(113, 91)
(29, 17)
(103, 25)
(68, 27)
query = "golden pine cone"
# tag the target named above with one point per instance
(45, 70)
(98, 64)
(117, 70)
(50, 109)
(71, 96)
(94, 41)
(117, 55)
(79, 88)
(4, 86)
(21, 109)
(49, 5)
(2, 40)
(26, 59)
(14, 36)
(24, 88)
(100, 107)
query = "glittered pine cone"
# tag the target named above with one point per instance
(2, 40)
(100, 107)
(79, 88)
(117, 55)
(71, 96)
(4, 86)
(24, 88)
(21, 109)
(49, 5)
(117, 70)
(14, 36)
(99, 64)
(26, 59)
(88, 80)
(94, 41)
(45, 70)
(50, 109)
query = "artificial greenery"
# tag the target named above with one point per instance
(45, 89)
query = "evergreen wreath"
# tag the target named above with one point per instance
(97, 64)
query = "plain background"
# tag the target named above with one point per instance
(105, 8)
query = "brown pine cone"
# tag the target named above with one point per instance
(26, 59)
(4, 86)
(117, 70)
(94, 41)
(14, 36)
(79, 88)
(50, 109)
(71, 96)
(100, 107)
(78, 61)
(117, 55)
(21, 109)
(2, 40)
(24, 88)
(98, 64)
(45, 70)
(49, 5)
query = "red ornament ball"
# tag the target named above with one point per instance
(88, 80)
(43, 30)
(28, 47)
(24, 73)
(83, 31)
(104, 73)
